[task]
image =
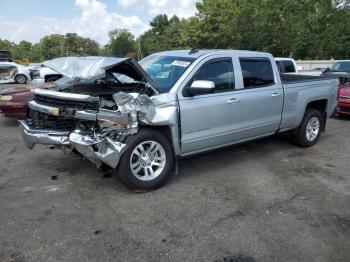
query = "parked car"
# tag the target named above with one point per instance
(13, 101)
(138, 118)
(341, 70)
(14, 73)
(44, 74)
(286, 65)
(313, 72)
(344, 99)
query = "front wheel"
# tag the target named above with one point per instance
(310, 130)
(148, 161)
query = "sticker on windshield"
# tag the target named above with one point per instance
(181, 63)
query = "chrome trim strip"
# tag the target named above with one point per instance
(82, 114)
(42, 108)
(65, 96)
(85, 115)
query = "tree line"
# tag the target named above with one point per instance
(308, 29)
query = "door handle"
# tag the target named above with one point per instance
(276, 95)
(234, 101)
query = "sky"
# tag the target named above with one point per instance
(33, 19)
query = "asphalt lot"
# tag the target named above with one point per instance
(266, 200)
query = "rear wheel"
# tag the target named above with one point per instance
(310, 130)
(148, 161)
(21, 79)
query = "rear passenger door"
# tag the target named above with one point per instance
(261, 97)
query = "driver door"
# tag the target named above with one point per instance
(210, 120)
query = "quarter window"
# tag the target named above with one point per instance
(220, 72)
(257, 72)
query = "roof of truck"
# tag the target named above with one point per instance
(201, 52)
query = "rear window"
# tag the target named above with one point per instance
(257, 72)
(289, 66)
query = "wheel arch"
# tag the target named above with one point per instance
(170, 133)
(53, 75)
(320, 105)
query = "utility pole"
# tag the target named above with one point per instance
(139, 53)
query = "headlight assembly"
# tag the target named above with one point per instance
(5, 98)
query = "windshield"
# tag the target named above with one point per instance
(165, 70)
(341, 67)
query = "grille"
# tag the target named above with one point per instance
(344, 97)
(47, 122)
(63, 104)
(345, 110)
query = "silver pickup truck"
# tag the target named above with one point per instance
(138, 118)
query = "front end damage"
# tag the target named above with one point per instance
(96, 112)
(94, 131)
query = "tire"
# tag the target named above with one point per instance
(52, 79)
(137, 160)
(310, 130)
(21, 79)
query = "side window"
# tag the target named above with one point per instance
(220, 72)
(257, 72)
(289, 67)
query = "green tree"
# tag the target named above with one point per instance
(165, 34)
(122, 43)
(75, 45)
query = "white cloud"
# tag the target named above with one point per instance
(94, 22)
(181, 8)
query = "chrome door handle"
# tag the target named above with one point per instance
(233, 101)
(276, 95)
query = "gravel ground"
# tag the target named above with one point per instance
(266, 200)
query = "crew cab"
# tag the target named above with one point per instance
(138, 118)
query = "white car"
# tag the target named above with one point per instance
(287, 65)
(14, 73)
(44, 74)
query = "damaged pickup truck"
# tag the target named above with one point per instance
(138, 118)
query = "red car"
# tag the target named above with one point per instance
(13, 101)
(344, 99)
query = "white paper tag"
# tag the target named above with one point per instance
(181, 63)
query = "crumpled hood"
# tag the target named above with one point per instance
(95, 67)
(83, 67)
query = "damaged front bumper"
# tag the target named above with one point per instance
(99, 150)
(31, 137)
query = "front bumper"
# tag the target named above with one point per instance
(99, 150)
(31, 137)
(343, 107)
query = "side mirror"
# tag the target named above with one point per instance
(201, 87)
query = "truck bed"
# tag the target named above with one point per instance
(290, 78)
